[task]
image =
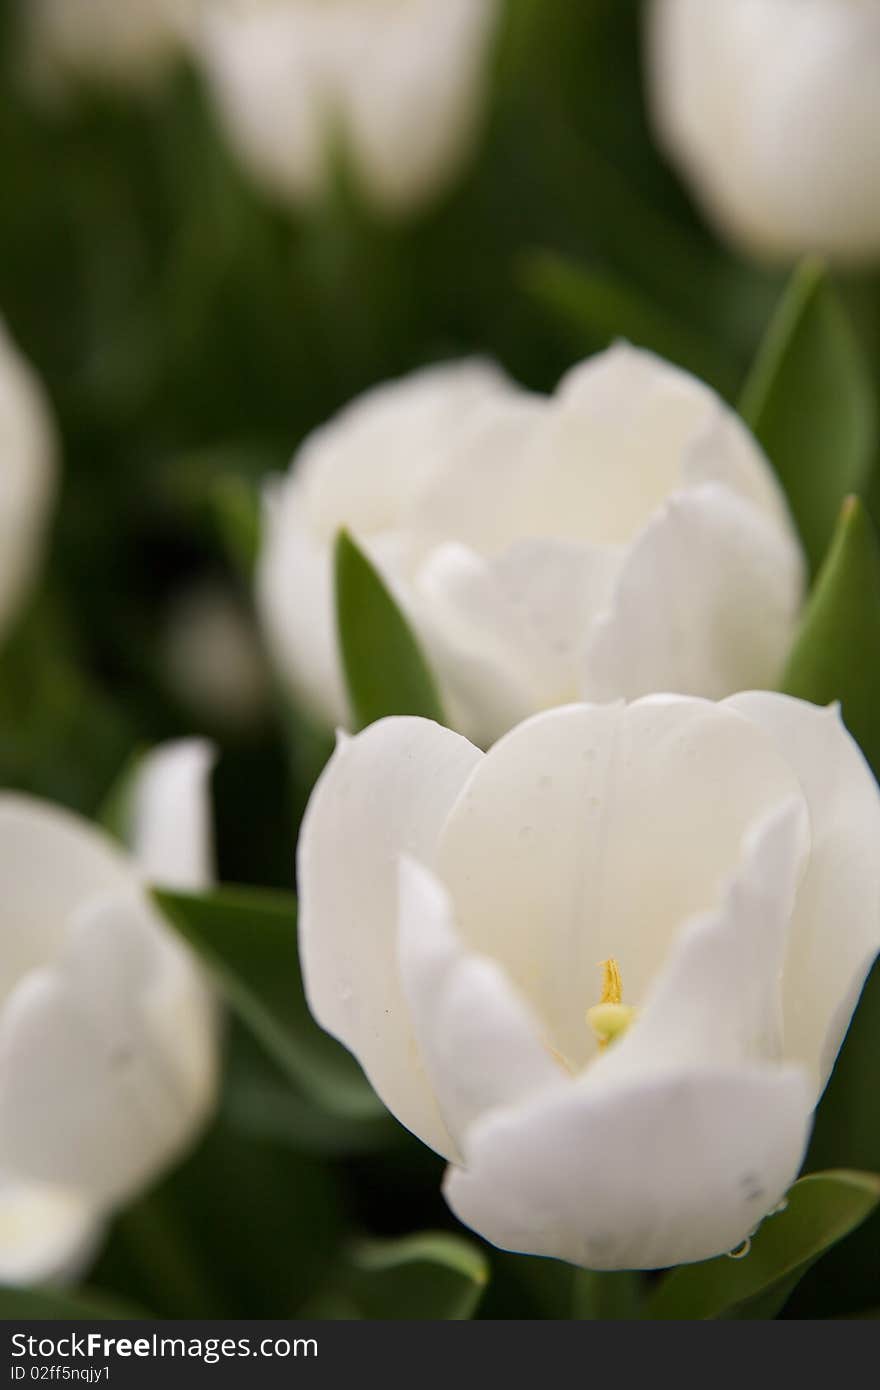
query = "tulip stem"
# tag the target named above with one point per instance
(607, 1297)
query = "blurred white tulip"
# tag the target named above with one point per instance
(108, 1040)
(722, 860)
(126, 43)
(400, 83)
(623, 536)
(212, 657)
(771, 108)
(27, 477)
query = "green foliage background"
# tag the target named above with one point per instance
(190, 333)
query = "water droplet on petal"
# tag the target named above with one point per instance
(740, 1251)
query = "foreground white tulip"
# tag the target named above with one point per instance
(119, 42)
(107, 1030)
(621, 537)
(27, 477)
(772, 110)
(723, 860)
(399, 82)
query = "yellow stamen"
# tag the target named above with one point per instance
(610, 1018)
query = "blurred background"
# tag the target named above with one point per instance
(191, 326)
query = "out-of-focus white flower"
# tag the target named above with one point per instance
(621, 537)
(212, 657)
(772, 110)
(108, 1047)
(27, 476)
(399, 82)
(116, 42)
(722, 860)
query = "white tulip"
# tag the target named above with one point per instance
(108, 1049)
(624, 536)
(27, 477)
(116, 42)
(722, 860)
(772, 110)
(399, 82)
(212, 657)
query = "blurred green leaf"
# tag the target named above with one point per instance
(847, 1129)
(85, 1305)
(822, 1208)
(259, 1101)
(847, 1135)
(115, 812)
(385, 669)
(430, 1276)
(235, 502)
(836, 655)
(810, 401)
(247, 939)
(241, 1228)
(599, 308)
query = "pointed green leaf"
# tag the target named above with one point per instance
(429, 1277)
(248, 941)
(598, 308)
(836, 655)
(822, 1209)
(385, 670)
(810, 401)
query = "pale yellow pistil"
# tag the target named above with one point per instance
(610, 1018)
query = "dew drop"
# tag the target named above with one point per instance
(740, 1251)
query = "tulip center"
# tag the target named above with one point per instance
(610, 1018)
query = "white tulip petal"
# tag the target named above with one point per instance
(268, 73)
(707, 601)
(718, 999)
(538, 853)
(400, 86)
(47, 1234)
(626, 430)
(128, 44)
(479, 1041)
(411, 96)
(384, 793)
(107, 1056)
(481, 495)
(836, 931)
(27, 475)
(365, 468)
(666, 1169)
(506, 635)
(172, 835)
(294, 593)
(50, 861)
(730, 86)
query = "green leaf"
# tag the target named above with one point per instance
(385, 670)
(248, 941)
(822, 1209)
(115, 812)
(428, 1277)
(85, 1305)
(235, 503)
(599, 308)
(836, 655)
(810, 401)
